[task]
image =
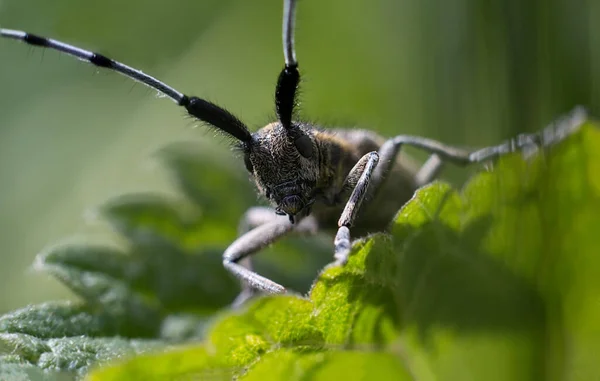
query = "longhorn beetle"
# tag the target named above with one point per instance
(319, 179)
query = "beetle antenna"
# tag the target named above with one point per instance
(289, 78)
(199, 108)
(289, 25)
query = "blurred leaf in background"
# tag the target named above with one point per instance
(468, 73)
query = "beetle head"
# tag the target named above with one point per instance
(284, 166)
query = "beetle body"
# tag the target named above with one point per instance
(299, 186)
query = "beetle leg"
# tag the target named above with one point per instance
(429, 171)
(254, 217)
(368, 173)
(255, 240)
(358, 179)
(442, 153)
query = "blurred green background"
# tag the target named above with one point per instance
(469, 73)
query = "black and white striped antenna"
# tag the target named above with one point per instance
(199, 108)
(285, 92)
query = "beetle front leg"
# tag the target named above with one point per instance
(254, 217)
(249, 244)
(255, 240)
(358, 179)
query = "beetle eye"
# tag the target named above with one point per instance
(248, 163)
(304, 146)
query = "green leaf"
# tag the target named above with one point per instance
(209, 186)
(141, 216)
(188, 363)
(26, 372)
(60, 319)
(162, 287)
(72, 354)
(164, 271)
(495, 282)
(291, 365)
(266, 324)
(109, 299)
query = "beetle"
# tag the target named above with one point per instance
(339, 180)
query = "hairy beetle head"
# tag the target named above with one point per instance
(282, 172)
